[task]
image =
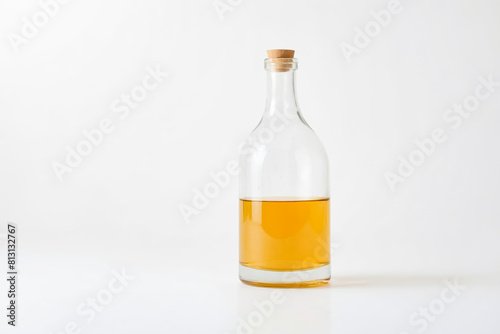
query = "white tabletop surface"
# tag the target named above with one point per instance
(57, 292)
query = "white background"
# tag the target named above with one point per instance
(119, 209)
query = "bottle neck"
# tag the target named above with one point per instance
(281, 97)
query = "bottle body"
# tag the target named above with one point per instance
(284, 195)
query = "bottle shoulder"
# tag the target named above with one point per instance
(294, 140)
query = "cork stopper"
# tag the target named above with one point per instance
(280, 60)
(280, 53)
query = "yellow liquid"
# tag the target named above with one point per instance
(285, 235)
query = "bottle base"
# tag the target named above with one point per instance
(285, 279)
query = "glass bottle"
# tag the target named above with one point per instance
(284, 191)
